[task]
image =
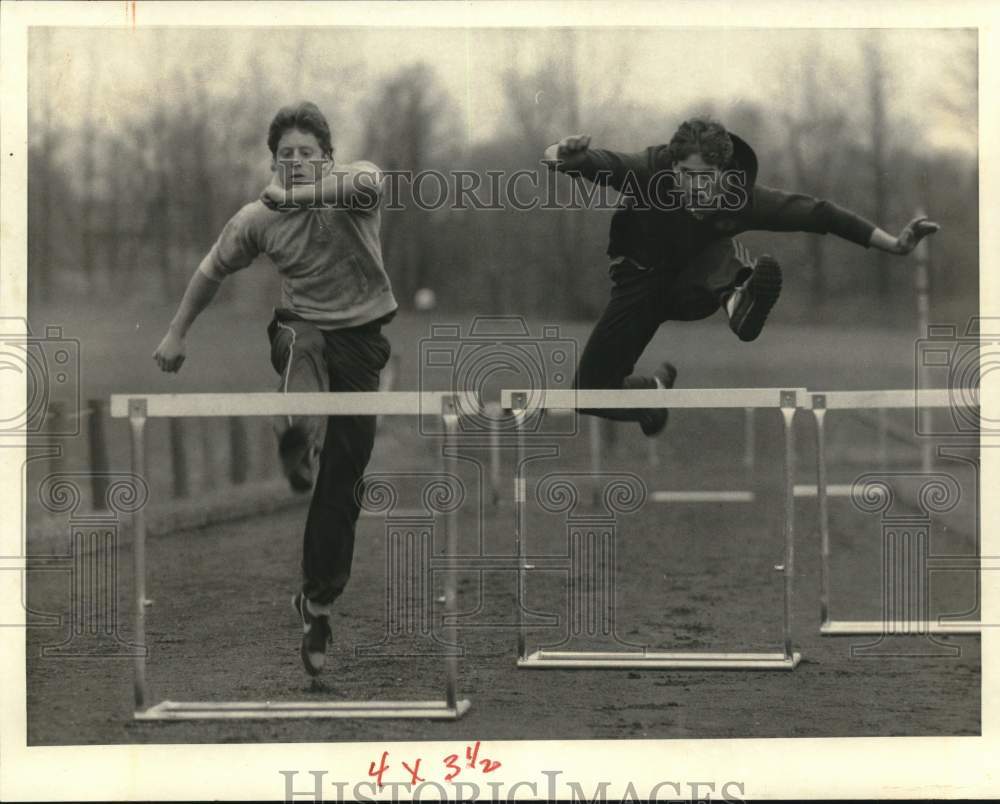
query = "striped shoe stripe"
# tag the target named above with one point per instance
(288, 364)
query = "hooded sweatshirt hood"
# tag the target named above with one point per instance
(745, 159)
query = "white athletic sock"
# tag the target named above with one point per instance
(659, 383)
(317, 610)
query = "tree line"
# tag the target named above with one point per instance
(130, 209)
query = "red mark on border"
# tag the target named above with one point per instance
(382, 768)
(414, 778)
(472, 760)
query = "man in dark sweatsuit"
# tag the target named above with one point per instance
(674, 256)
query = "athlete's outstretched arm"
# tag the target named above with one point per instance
(779, 211)
(573, 156)
(170, 354)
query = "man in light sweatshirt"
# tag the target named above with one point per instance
(320, 229)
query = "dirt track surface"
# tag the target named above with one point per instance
(688, 577)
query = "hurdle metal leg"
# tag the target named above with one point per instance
(597, 425)
(520, 493)
(450, 460)
(788, 410)
(823, 515)
(495, 457)
(137, 426)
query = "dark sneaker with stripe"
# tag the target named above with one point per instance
(298, 459)
(655, 420)
(316, 635)
(757, 296)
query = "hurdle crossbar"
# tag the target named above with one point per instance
(525, 402)
(820, 403)
(137, 408)
(529, 401)
(360, 403)
(895, 398)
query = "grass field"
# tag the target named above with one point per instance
(697, 577)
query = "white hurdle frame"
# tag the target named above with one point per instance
(140, 407)
(820, 403)
(522, 403)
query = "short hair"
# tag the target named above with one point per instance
(304, 116)
(701, 135)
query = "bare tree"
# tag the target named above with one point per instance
(404, 130)
(546, 104)
(958, 95)
(878, 118)
(814, 131)
(42, 271)
(88, 168)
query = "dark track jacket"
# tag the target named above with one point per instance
(660, 238)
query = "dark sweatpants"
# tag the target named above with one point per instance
(641, 300)
(310, 359)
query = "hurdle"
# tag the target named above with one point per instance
(820, 403)
(525, 403)
(137, 408)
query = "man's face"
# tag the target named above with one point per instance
(699, 183)
(299, 159)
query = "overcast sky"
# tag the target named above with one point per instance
(661, 69)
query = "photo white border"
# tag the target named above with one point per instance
(894, 767)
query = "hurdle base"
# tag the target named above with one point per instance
(268, 710)
(897, 628)
(655, 660)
